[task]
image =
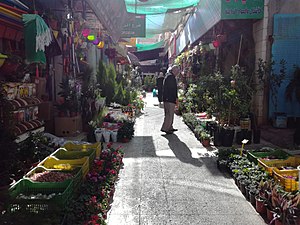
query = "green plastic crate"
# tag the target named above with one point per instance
(253, 156)
(76, 172)
(62, 190)
(63, 153)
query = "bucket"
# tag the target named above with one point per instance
(114, 135)
(106, 136)
(98, 135)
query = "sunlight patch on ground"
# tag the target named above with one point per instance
(166, 153)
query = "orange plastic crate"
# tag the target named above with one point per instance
(269, 165)
(286, 178)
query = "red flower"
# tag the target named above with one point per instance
(113, 172)
(109, 145)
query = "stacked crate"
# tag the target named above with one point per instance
(52, 195)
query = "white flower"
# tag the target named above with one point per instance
(245, 141)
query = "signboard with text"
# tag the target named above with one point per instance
(242, 9)
(134, 27)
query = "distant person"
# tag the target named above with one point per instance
(159, 85)
(170, 98)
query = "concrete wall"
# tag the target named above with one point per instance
(262, 30)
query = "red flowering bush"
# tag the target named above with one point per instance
(93, 203)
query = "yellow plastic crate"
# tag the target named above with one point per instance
(52, 162)
(269, 165)
(81, 147)
(63, 153)
(289, 183)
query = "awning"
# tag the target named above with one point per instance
(145, 47)
(16, 3)
(148, 55)
(133, 59)
(112, 14)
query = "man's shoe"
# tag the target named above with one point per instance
(167, 131)
(174, 130)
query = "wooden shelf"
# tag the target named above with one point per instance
(24, 136)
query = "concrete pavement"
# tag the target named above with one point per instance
(173, 180)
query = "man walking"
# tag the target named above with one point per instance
(170, 98)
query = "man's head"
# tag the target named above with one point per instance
(175, 69)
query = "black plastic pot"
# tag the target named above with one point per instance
(217, 131)
(227, 137)
(256, 136)
(243, 134)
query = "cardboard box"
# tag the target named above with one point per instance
(45, 111)
(68, 126)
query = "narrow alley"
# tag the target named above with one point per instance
(173, 180)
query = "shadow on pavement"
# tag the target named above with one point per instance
(181, 150)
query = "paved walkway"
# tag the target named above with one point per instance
(173, 180)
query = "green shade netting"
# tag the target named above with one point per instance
(37, 36)
(145, 47)
(161, 15)
(160, 23)
(157, 6)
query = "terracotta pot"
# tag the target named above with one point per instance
(278, 222)
(205, 142)
(260, 205)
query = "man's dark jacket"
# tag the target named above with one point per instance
(170, 88)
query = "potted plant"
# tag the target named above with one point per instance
(197, 131)
(205, 138)
(126, 131)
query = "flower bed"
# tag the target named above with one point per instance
(89, 205)
(92, 205)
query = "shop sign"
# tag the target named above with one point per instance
(242, 9)
(134, 27)
(112, 14)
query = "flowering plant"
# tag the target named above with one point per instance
(91, 207)
(139, 102)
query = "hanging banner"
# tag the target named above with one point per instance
(112, 14)
(135, 26)
(242, 9)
